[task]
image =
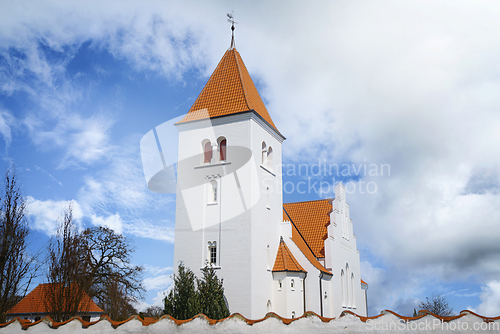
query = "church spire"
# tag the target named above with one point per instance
(229, 90)
(230, 19)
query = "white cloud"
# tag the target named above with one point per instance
(146, 229)
(490, 300)
(7, 122)
(158, 282)
(113, 222)
(46, 214)
(88, 141)
(159, 279)
(120, 187)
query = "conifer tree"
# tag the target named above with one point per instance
(182, 302)
(211, 295)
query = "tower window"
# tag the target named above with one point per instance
(207, 152)
(212, 253)
(292, 284)
(222, 150)
(264, 153)
(269, 161)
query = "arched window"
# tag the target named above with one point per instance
(293, 314)
(269, 306)
(207, 152)
(292, 284)
(353, 301)
(280, 285)
(264, 153)
(270, 158)
(348, 286)
(222, 150)
(342, 278)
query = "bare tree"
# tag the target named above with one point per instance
(153, 312)
(68, 271)
(93, 263)
(17, 267)
(437, 304)
(115, 302)
(116, 283)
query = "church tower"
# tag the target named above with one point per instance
(229, 187)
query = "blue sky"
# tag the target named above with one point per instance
(410, 85)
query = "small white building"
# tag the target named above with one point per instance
(273, 257)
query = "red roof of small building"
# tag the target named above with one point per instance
(285, 261)
(229, 90)
(34, 302)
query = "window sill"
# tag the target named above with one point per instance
(219, 163)
(213, 203)
(215, 267)
(267, 170)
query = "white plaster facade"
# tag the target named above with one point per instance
(239, 222)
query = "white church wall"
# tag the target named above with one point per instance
(244, 221)
(266, 214)
(312, 294)
(288, 294)
(198, 221)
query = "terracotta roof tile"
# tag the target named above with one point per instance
(229, 90)
(311, 219)
(304, 248)
(285, 261)
(34, 302)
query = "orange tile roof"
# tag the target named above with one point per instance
(363, 282)
(34, 302)
(229, 90)
(311, 219)
(304, 248)
(285, 261)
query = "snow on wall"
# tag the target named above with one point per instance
(348, 322)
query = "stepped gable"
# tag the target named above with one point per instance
(230, 90)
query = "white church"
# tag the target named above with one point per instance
(286, 258)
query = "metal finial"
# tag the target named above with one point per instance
(230, 19)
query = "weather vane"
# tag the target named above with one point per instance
(230, 19)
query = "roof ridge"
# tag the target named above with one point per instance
(312, 200)
(288, 261)
(240, 77)
(291, 221)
